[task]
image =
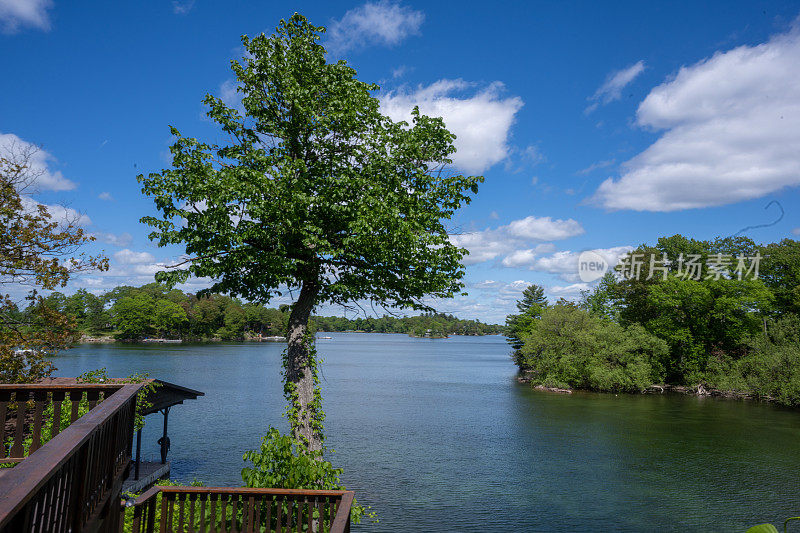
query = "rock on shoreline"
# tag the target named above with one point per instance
(86, 339)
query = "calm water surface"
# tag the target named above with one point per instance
(436, 435)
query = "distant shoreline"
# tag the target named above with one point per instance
(86, 339)
(106, 339)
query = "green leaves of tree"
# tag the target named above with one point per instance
(313, 185)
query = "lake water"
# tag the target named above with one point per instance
(436, 435)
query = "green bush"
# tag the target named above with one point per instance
(281, 462)
(771, 367)
(568, 347)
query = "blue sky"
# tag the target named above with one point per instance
(596, 126)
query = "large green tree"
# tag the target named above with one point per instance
(316, 193)
(133, 316)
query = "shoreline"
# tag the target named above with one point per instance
(111, 340)
(662, 388)
(106, 339)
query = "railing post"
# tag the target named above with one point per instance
(77, 497)
(138, 453)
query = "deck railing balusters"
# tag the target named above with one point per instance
(55, 423)
(72, 482)
(205, 510)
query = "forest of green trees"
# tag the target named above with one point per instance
(153, 310)
(733, 325)
(430, 325)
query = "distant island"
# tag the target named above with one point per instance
(153, 313)
(431, 325)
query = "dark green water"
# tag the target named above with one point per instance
(436, 435)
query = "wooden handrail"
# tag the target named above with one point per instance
(26, 404)
(249, 490)
(85, 461)
(341, 522)
(146, 495)
(243, 509)
(65, 387)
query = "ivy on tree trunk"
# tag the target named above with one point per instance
(300, 368)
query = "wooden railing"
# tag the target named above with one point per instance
(241, 510)
(23, 408)
(73, 482)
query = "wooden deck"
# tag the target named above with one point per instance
(72, 482)
(149, 473)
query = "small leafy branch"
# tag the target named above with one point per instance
(142, 403)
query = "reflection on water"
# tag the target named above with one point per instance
(436, 435)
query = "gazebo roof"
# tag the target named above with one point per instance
(169, 394)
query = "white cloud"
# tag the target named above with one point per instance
(519, 258)
(796, 231)
(60, 214)
(375, 23)
(230, 96)
(481, 120)
(129, 257)
(486, 284)
(491, 243)
(568, 292)
(482, 245)
(400, 71)
(17, 14)
(182, 7)
(64, 214)
(506, 295)
(129, 267)
(489, 300)
(518, 285)
(12, 147)
(612, 88)
(732, 124)
(534, 154)
(595, 166)
(105, 196)
(123, 239)
(544, 228)
(565, 263)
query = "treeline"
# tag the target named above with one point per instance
(722, 314)
(427, 325)
(153, 310)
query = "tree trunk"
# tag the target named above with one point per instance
(299, 371)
